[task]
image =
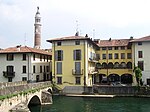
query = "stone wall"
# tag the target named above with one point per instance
(106, 90)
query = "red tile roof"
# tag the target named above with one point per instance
(143, 39)
(24, 49)
(69, 38)
(114, 42)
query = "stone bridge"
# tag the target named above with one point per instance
(17, 96)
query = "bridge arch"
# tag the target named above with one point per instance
(34, 100)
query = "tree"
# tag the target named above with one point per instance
(138, 75)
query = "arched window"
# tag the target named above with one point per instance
(110, 65)
(129, 65)
(116, 65)
(98, 65)
(104, 65)
(123, 65)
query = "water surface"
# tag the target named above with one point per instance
(79, 104)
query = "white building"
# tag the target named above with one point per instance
(141, 56)
(22, 63)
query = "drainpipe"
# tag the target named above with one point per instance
(28, 66)
(84, 67)
(54, 65)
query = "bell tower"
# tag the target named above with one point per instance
(37, 30)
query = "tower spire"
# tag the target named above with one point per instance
(37, 30)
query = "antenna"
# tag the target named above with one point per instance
(77, 26)
(93, 33)
(25, 39)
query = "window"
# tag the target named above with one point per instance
(122, 55)
(77, 54)
(129, 55)
(47, 68)
(97, 56)
(44, 57)
(77, 42)
(34, 57)
(104, 56)
(116, 56)
(59, 55)
(10, 57)
(59, 67)
(47, 58)
(24, 78)
(116, 48)
(58, 43)
(140, 54)
(141, 65)
(122, 47)
(139, 43)
(109, 48)
(40, 69)
(24, 69)
(110, 56)
(40, 57)
(24, 56)
(10, 69)
(59, 80)
(103, 48)
(44, 69)
(33, 68)
(78, 67)
(78, 80)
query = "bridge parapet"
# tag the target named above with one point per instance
(23, 94)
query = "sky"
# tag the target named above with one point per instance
(100, 19)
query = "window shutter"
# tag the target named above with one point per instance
(74, 54)
(61, 55)
(56, 55)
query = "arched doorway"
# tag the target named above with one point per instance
(102, 78)
(126, 79)
(114, 78)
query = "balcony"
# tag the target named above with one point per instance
(92, 71)
(8, 74)
(94, 60)
(77, 72)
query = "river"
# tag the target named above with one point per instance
(79, 104)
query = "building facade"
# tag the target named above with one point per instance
(73, 61)
(22, 63)
(115, 61)
(141, 57)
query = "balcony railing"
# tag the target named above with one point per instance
(77, 72)
(8, 74)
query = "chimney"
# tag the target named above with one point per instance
(77, 33)
(86, 35)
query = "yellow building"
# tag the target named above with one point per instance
(80, 61)
(73, 60)
(115, 63)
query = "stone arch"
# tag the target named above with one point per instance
(114, 78)
(110, 65)
(116, 65)
(104, 65)
(126, 79)
(123, 65)
(34, 100)
(129, 65)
